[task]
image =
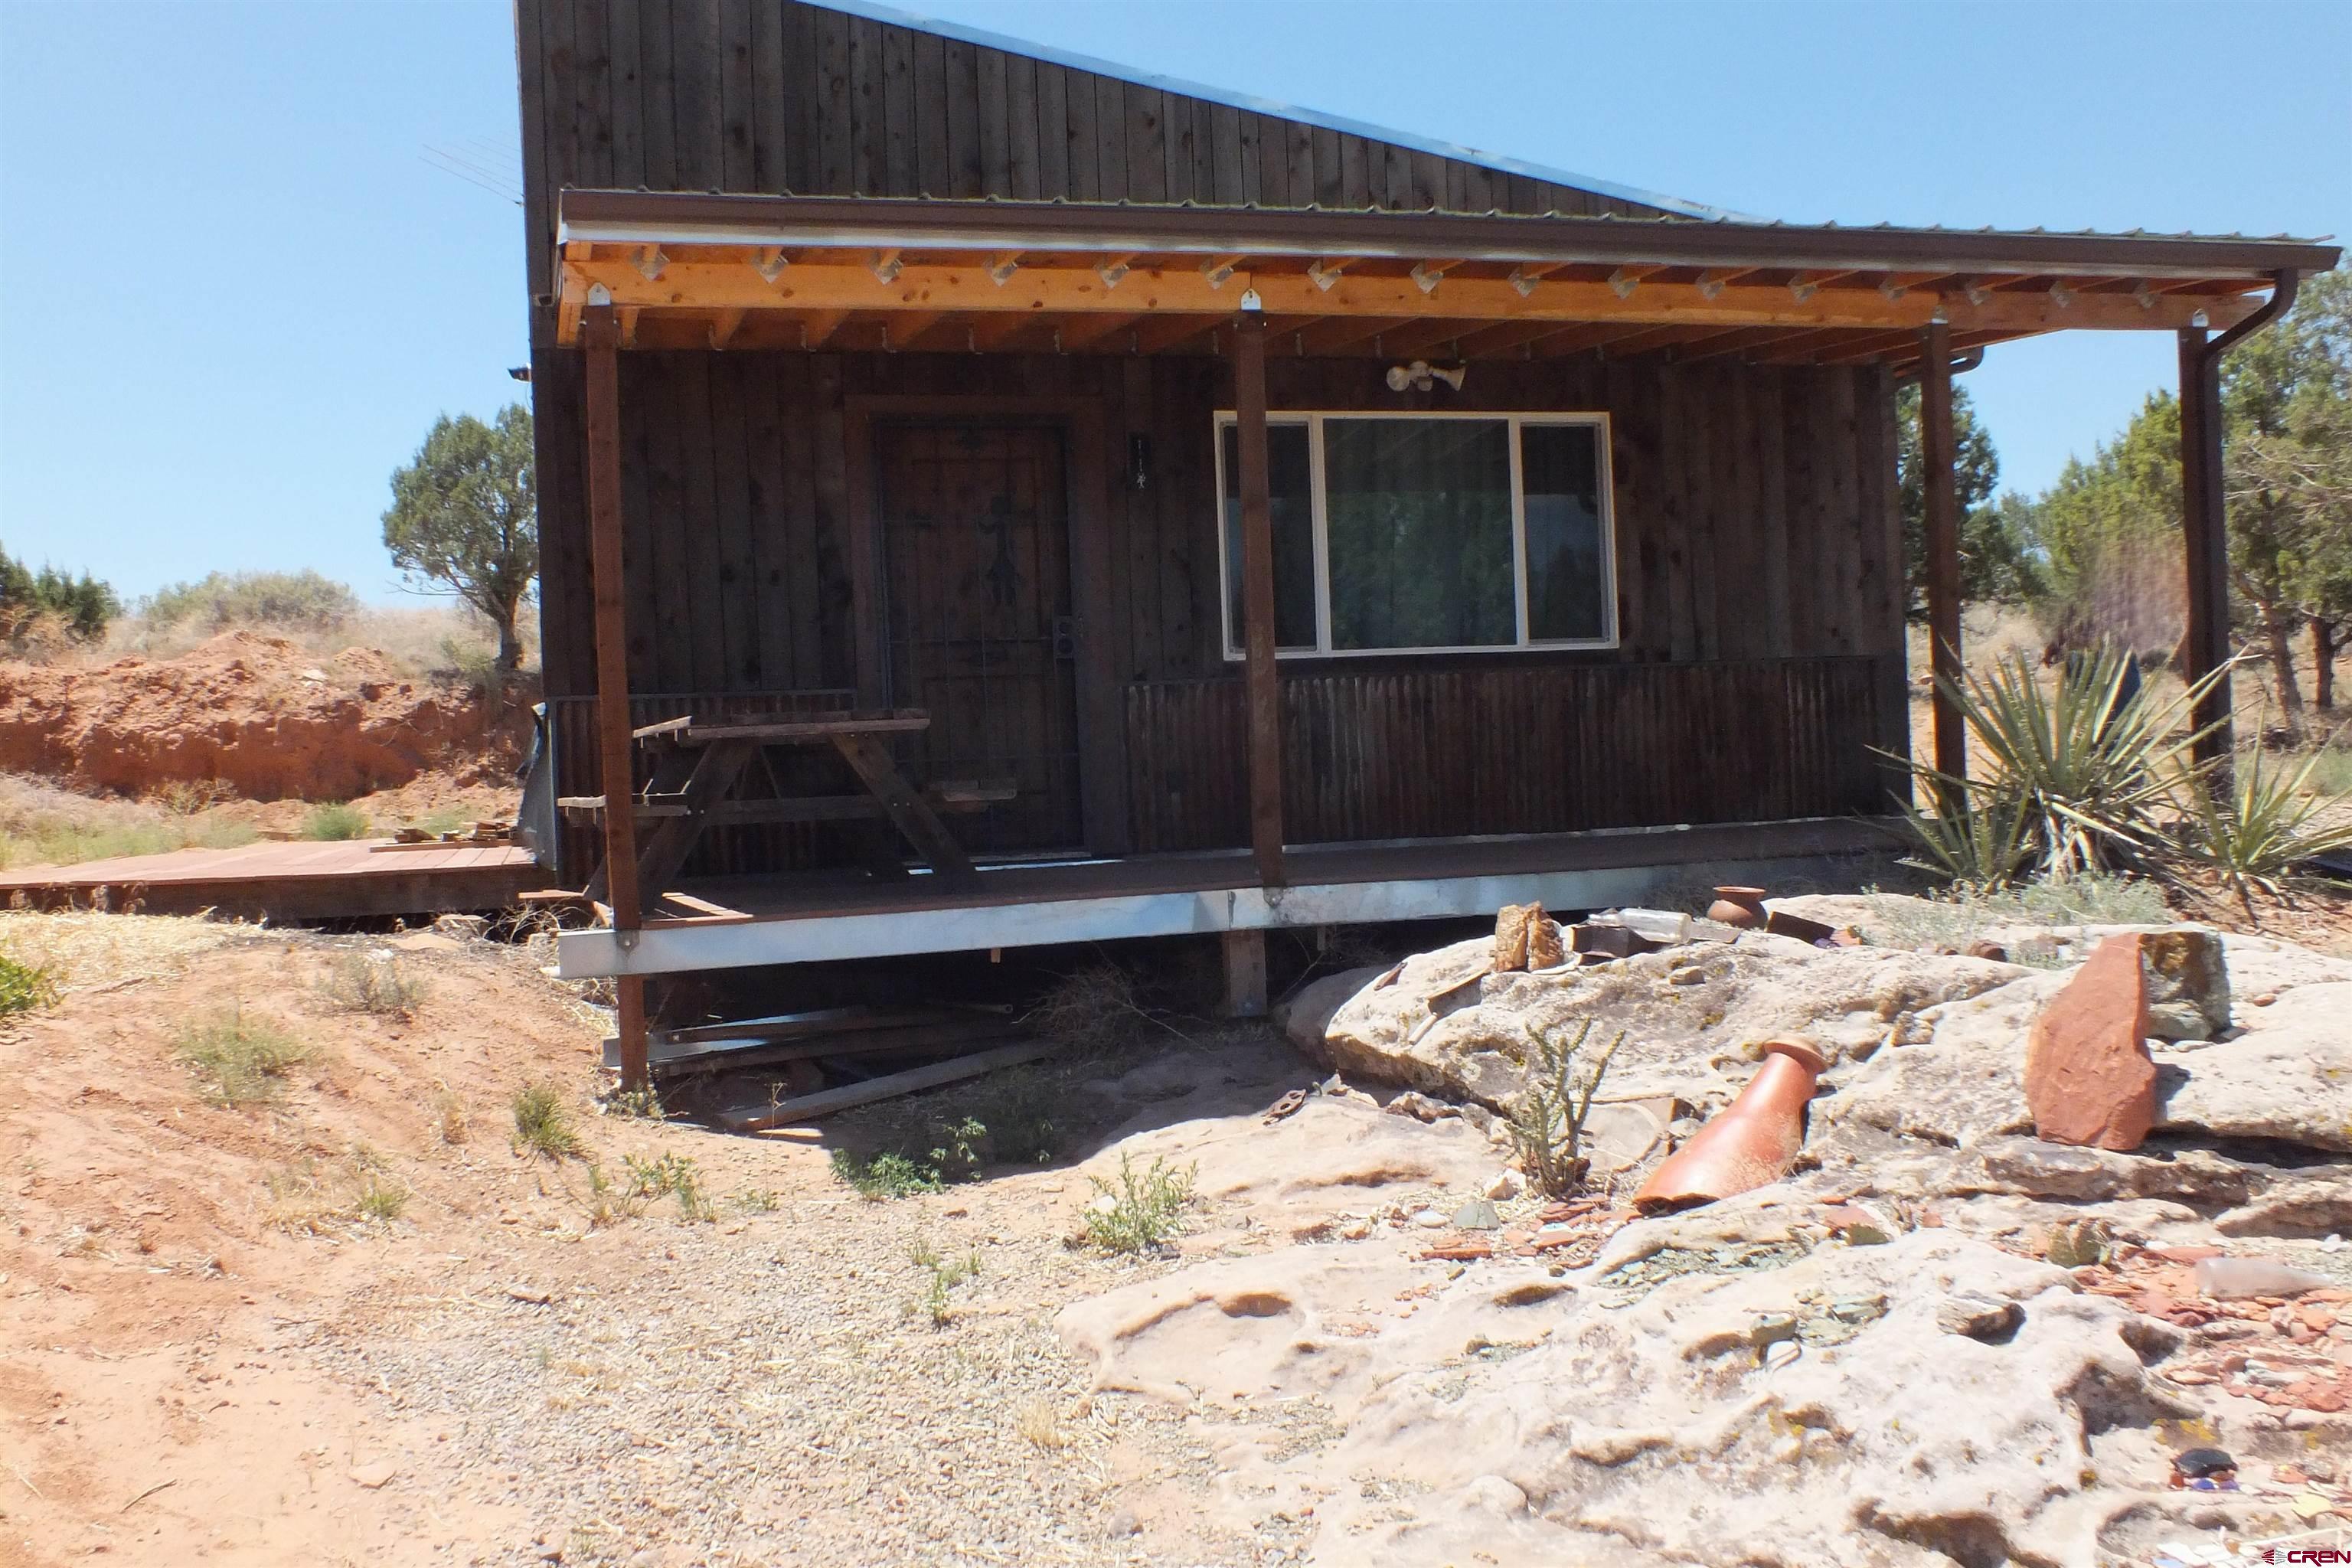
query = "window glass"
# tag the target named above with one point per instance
(1291, 510)
(1559, 468)
(1419, 532)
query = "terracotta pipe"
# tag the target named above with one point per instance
(1749, 1145)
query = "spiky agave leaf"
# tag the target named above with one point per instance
(2254, 831)
(1979, 842)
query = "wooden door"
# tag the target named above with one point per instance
(976, 539)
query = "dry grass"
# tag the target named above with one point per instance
(89, 950)
(421, 639)
(41, 825)
(371, 984)
(1035, 1421)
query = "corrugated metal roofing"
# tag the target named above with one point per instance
(896, 17)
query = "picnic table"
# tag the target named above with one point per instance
(699, 764)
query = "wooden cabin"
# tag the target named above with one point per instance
(993, 498)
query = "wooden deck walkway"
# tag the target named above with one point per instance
(283, 881)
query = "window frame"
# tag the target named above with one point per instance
(1314, 420)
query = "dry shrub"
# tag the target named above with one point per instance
(366, 983)
(1096, 1010)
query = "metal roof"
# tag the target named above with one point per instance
(687, 216)
(895, 18)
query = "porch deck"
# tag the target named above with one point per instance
(287, 881)
(813, 917)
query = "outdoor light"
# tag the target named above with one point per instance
(520, 372)
(1421, 376)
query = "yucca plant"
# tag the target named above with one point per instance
(2255, 830)
(2074, 774)
(1980, 844)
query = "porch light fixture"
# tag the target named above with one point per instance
(1421, 376)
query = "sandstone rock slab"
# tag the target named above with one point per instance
(2089, 1079)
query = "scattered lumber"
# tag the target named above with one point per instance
(824, 1102)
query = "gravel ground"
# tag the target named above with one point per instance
(773, 1388)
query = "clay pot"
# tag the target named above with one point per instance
(1740, 907)
(1751, 1143)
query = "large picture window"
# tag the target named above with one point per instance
(1428, 533)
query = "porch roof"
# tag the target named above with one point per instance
(687, 270)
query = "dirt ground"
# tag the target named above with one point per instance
(211, 1357)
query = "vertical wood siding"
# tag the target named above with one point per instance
(1442, 753)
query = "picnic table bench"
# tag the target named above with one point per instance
(697, 765)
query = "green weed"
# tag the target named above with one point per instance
(25, 986)
(1140, 1211)
(241, 1060)
(335, 821)
(672, 1175)
(887, 1174)
(543, 1121)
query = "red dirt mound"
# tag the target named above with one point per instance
(258, 713)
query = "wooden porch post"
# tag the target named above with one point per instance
(2205, 536)
(1265, 696)
(1939, 490)
(599, 335)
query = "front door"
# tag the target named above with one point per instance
(976, 536)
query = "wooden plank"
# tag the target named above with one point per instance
(1021, 150)
(1069, 284)
(967, 155)
(789, 731)
(1244, 953)
(992, 67)
(909, 811)
(1084, 142)
(735, 589)
(695, 529)
(901, 163)
(770, 495)
(603, 414)
(627, 170)
(869, 160)
(736, 92)
(934, 172)
(1053, 130)
(657, 91)
(837, 118)
(1257, 599)
(824, 1102)
(534, 64)
(950, 1037)
(1146, 178)
(666, 848)
(797, 541)
(1941, 509)
(698, 57)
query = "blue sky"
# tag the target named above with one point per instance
(233, 290)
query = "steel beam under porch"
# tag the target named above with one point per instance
(1208, 893)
